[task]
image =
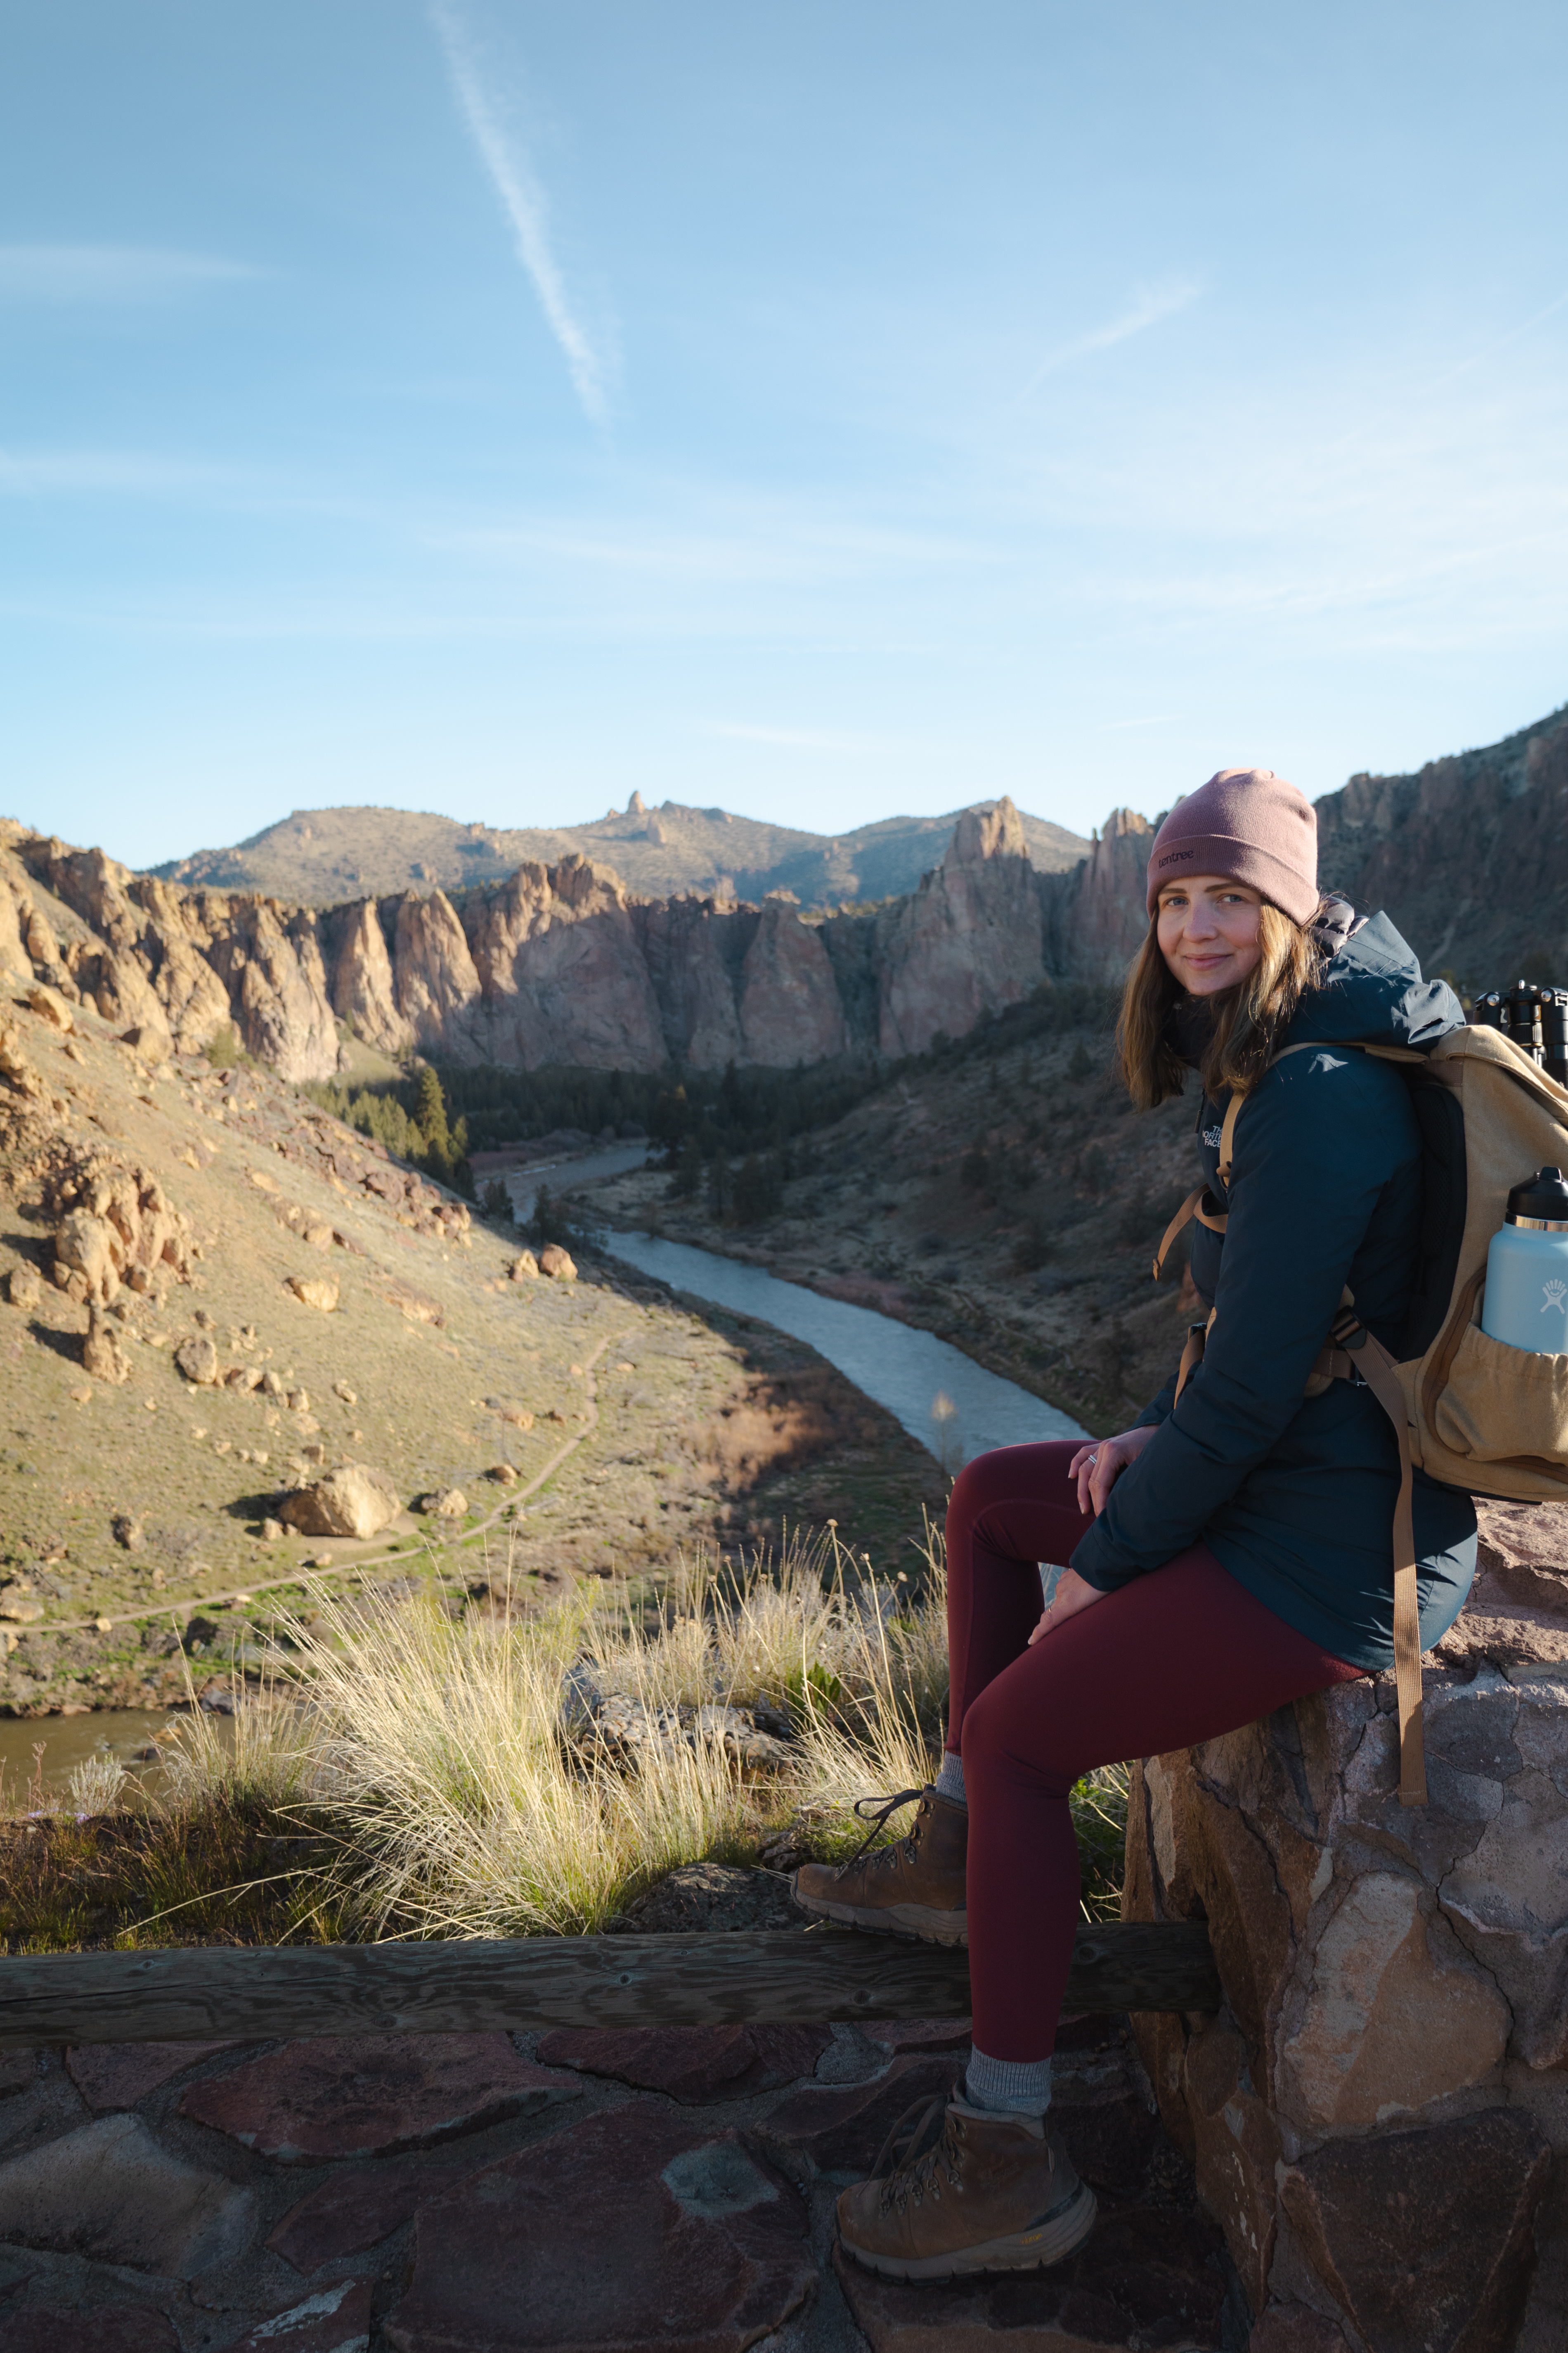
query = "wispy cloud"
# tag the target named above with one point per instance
(1149, 305)
(523, 201)
(109, 273)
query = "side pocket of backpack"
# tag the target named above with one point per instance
(1490, 1405)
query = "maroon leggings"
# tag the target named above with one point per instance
(1170, 1659)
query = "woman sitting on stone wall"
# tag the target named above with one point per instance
(1229, 1553)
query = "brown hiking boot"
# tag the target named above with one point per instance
(913, 1888)
(987, 2193)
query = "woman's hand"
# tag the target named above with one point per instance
(1073, 1593)
(1097, 1466)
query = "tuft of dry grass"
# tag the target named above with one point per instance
(426, 1775)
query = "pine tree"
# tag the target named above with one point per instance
(430, 1114)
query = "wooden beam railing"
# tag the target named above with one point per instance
(182, 1994)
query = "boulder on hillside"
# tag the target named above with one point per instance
(353, 1500)
(15, 1067)
(84, 1245)
(50, 1007)
(198, 1359)
(317, 1291)
(557, 1263)
(151, 1043)
(102, 1358)
(524, 1268)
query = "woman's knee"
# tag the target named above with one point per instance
(1006, 1472)
(989, 1730)
(1006, 1737)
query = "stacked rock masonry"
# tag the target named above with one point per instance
(1378, 2117)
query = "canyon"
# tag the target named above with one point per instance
(564, 964)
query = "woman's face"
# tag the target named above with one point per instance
(1208, 932)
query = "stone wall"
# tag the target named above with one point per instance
(1378, 2117)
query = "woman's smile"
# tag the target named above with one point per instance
(1208, 932)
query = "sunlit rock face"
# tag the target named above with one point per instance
(1384, 2099)
(561, 964)
(968, 941)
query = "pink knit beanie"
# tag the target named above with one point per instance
(1248, 823)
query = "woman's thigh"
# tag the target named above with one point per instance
(1168, 1660)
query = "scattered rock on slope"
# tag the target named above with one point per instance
(102, 1358)
(198, 1359)
(353, 1501)
(315, 1291)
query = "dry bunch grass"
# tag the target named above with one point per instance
(450, 1784)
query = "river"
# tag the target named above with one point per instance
(941, 1396)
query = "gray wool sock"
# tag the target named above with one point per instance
(949, 1782)
(1014, 2087)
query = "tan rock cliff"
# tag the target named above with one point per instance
(552, 965)
(968, 941)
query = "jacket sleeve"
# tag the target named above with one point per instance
(1314, 1148)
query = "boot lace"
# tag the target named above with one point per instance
(928, 2163)
(885, 1807)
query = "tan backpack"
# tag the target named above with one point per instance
(1467, 1409)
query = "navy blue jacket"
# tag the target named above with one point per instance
(1295, 1495)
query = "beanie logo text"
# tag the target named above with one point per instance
(1174, 857)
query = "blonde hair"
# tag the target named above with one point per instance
(1247, 1020)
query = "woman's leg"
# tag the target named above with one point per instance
(1003, 1504)
(1009, 1510)
(1166, 1662)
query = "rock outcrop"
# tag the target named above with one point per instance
(968, 941)
(1095, 914)
(113, 1223)
(1379, 2116)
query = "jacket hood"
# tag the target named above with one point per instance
(1371, 988)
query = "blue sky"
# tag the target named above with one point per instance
(825, 411)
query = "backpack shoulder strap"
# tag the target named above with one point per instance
(1233, 1109)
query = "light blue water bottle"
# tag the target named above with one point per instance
(1526, 1303)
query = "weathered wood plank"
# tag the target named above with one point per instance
(249, 1992)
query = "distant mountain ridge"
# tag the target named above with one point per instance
(321, 857)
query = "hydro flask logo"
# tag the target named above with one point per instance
(1553, 1295)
